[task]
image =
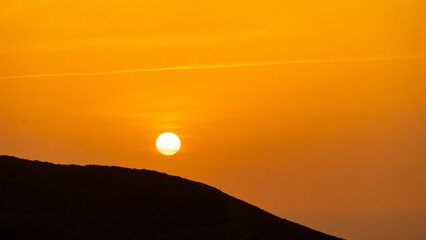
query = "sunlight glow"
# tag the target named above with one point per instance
(168, 143)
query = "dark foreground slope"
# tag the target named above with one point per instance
(46, 201)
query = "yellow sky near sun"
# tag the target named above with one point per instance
(340, 130)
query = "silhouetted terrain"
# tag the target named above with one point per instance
(41, 200)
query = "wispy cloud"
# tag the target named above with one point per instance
(210, 66)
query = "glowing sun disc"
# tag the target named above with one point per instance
(168, 143)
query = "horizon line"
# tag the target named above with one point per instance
(212, 66)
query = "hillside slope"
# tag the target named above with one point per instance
(41, 200)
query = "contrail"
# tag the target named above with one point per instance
(208, 66)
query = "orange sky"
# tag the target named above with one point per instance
(312, 110)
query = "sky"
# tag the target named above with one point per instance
(311, 110)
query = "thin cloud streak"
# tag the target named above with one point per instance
(210, 66)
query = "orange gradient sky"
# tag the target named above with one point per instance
(312, 110)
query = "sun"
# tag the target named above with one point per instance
(168, 143)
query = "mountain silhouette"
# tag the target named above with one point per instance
(40, 200)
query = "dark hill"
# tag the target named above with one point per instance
(41, 200)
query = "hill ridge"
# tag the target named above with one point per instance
(43, 200)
